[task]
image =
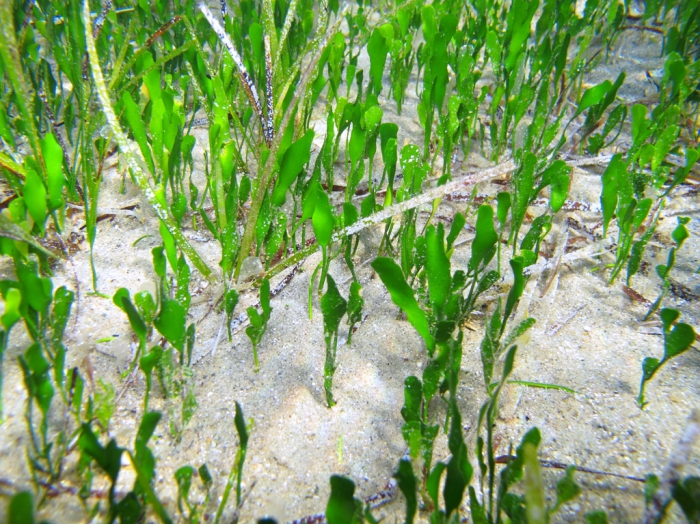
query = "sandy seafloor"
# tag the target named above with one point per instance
(588, 337)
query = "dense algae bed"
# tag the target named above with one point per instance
(588, 338)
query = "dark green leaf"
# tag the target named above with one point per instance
(663, 146)
(524, 183)
(62, 301)
(356, 146)
(265, 299)
(355, 305)
(179, 207)
(159, 262)
(651, 486)
(557, 176)
(129, 509)
(205, 476)
(411, 432)
(333, 307)
(254, 318)
(35, 359)
(459, 470)
(488, 280)
(687, 493)
(145, 305)
(6, 131)
(149, 421)
(104, 402)
(640, 125)
(408, 486)
(150, 360)
(377, 48)
(240, 426)
(429, 24)
(433, 375)
(413, 396)
(21, 510)
(350, 214)
(517, 290)
(478, 512)
(37, 291)
(433, 482)
(183, 477)
(680, 233)
(341, 508)
(668, 317)
(38, 382)
(531, 242)
(244, 190)
(640, 214)
(190, 336)
(637, 252)
(678, 340)
(109, 458)
(608, 197)
(490, 344)
(515, 467)
(508, 363)
(367, 206)
(455, 229)
(169, 245)
(596, 517)
(617, 115)
(265, 217)
(291, 166)
(567, 489)
(649, 366)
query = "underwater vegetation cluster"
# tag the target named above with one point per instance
(301, 153)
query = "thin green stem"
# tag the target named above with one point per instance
(233, 474)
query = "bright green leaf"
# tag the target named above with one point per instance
(322, 219)
(437, 266)
(484, 243)
(402, 295)
(291, 166)
(592, 96)
(170, 322)
(35, 198)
